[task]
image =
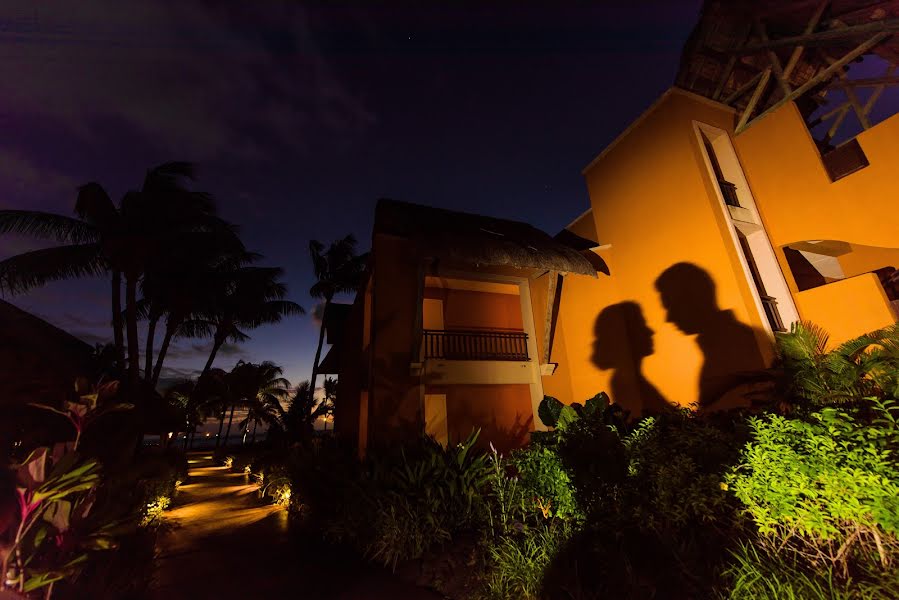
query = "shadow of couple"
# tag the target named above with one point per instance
(687, 292)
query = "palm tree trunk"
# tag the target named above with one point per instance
(148, 353)
(318, 351)
(253, 439)
(166, 340)
(117, 333)
(216, 344)
(131, 330)
(228, 431)
(218, 437)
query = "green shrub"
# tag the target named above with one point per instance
(755, 576)
(826, 488)
(545, 482)
(518, 561)
(400, 501)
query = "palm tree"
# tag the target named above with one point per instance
(258, 387)
(183, 291)
(303, 411)
(337, 270)
(247, 297)
(330, 389)
(124, 241)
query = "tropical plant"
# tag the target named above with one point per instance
(302, 413)
(755, 575)
(826, 489)
(246, 297)
(519, 561)
(809, 376)
(56, 492)
(181, 288)
(125, 240)
(260, 389)
(338, 269)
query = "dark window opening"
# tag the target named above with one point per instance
(769, 303)
(728, 189)
(844, 160)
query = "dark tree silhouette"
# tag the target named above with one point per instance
(125, 241)
(338, 269)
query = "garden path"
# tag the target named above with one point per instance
(221, 542)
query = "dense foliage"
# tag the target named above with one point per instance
(800, 500)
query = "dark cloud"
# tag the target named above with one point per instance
(226, 80)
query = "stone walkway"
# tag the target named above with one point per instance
(222, 542)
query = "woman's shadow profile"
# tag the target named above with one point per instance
(622, 341)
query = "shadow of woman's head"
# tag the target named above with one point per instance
(621, 336)
(688, 295)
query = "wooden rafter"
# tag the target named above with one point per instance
(740, 91)
(809, 28)
(821, 77)
(776, 67)
(887, 27)
(754, 100)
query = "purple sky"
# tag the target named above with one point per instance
(301, 115)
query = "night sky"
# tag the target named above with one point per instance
(301, 115)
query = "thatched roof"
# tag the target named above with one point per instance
(477, 240)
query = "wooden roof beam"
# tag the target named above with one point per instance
(809, 28)
(818, 79)
(870, 82)
(822, 38)
(754, 100)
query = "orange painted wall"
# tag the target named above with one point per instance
(653, 201)
(864, 259)
(464, 309)
(394, 406)
(868, 309)
(502, 413)
(797, 201)
(795, 196)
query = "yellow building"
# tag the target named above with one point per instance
(726, 211)
(444, 336)
(723, 214)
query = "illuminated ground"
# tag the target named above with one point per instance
(224, 544)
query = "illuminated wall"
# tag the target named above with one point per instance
(656, 208)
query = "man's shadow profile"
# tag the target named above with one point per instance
(728, 346)
(622, 341)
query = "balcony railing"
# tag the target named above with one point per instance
(729, 191)
(465, 344)
(770, 306)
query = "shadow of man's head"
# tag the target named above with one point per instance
(617, 327)
(688, 295)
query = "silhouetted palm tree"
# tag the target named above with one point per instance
(258, 387)
(246, 298)
(302, 413)
(183, 291)
(337, 270)
(124, 240)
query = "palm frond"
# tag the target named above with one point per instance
(47, 226)
(32, 269)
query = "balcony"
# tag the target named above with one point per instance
(729, 192)
(471, 344)
(769, 303)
